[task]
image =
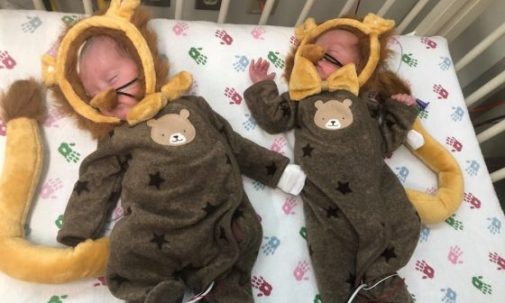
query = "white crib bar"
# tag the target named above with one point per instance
(438, 16)
(385, 7)
(457, 24)
(266, 12)
(38, 4)
(223, 11)
(411, 15)
(348, 6)
(485, 89)
(491, 132)
(305, 12)
(498, 175)
(88, 7)
(481, 47)
(179, 5)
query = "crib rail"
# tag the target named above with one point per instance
(458, 15)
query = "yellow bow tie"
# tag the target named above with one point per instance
(305, 81)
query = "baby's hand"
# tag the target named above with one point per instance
(258, 71)
(405, 99)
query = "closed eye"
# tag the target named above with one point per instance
(112, 79)
(332, 60)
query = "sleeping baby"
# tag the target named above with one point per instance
(361, 227)
(176, 165)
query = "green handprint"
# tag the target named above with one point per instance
(57, 299)
(65, 149)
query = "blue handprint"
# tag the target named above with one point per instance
(445, 64)
(425, 233)
(449, 296)
(271, 245)
(241, 64)
(495, 226)
(249, 123)
(473, 168)
(457, 114)
(402, 173)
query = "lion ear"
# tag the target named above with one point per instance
(303, 29)
(318, 104)
(122, 8)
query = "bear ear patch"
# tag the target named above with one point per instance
(347, 102)
(184, 113)
(319, 103)
(151, 122)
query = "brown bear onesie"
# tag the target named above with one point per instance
(177, 167)
(179, 177)
(361, 227)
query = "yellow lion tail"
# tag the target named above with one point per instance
(440, 206)
(23, 108)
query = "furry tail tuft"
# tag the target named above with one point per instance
(23, 99)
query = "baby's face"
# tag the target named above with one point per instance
(339, 44)
(103, 66)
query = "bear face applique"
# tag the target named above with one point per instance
(172, 129)
(333, 114)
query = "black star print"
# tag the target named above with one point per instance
(271, 169)
(222, 233)
(81, 186)
(222, 129)
(352, 279)
(159, 240)
(332, 211)
(111, 133)
(390, 123)
(389, 253)
(238, 214)
(124, 161)
(209, 208)
(311, 252)
(284, 106)
(128, 211)
(307, 150)
(118, 280)
(344, 188)
(228, 160)
(155, 180)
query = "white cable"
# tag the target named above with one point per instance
(365, 287)
(355, 293)
(384, 279)
(201, 295)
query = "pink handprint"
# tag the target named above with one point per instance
(442, 92)
(265, 289)
(7, 61)
(278, 144)
(50, 187)
(301, 269)
(289, 205)
(224, 36)
(472, 200)
(428, 42)
(180, 28)
(454, 143)
(495, 258)
(233, 95)
(454, 254)
(427, 270)
(257, 33)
